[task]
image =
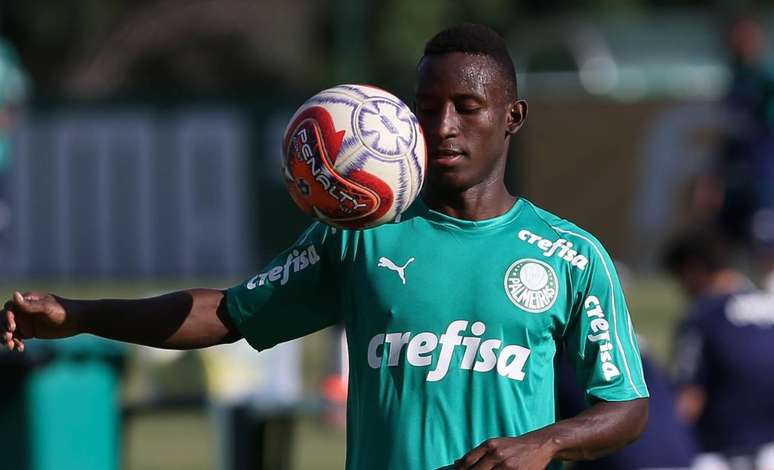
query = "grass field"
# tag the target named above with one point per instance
(184, 439)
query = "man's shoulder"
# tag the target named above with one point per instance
(542, 219)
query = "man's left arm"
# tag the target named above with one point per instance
(597, 431)
(601, 343)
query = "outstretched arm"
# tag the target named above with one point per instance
(187, 319)
(599, 430)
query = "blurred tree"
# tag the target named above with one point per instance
(350, 41)
(404, 26)
(553, 7)
(48, 33)
(399, 36)
(93, 48)
(103, 47)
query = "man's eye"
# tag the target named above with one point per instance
(468, 109)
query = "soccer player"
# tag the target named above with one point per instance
(724, 354)
(453, 313)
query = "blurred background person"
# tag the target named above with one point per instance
(14, 91)
(667, 443)
(737, 192)
(724, 350)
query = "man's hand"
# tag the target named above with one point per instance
(33, 315)
(527, 452)
(194, 318)
(597, 431)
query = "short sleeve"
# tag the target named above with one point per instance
(294, 295)
(600, 339)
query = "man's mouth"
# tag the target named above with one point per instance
(446, 156)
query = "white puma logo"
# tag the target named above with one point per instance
(387, 263)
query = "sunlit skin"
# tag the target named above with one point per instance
(468, 116)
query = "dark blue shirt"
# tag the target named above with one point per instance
(666, 442)
(725, 345)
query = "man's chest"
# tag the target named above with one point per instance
(504, 285)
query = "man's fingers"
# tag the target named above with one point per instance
(487, 462)
(28, 302)
(11, 340)
(10, 328)
(490, 454)
(9, 322)
(22, 300)
(512, 462)
(32, 296)
(14, 344)
(11, 334)
(7, 328)
(470, 459)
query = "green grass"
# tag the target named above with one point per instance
(655, 305)
(167, 441)
(184, 440)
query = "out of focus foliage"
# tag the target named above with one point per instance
(100, 48)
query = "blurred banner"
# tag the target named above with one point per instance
(145, 191)
(195, 191)
(619, 169)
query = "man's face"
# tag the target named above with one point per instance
(463, 105)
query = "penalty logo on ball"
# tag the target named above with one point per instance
(531, 285)
(353, 157)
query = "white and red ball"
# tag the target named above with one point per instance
(354, 156)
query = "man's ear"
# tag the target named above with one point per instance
(517, 115)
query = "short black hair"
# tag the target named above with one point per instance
(704, 248)
(475, 39)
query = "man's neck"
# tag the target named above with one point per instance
(477, 203)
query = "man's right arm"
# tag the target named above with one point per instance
(187, 319)
(691, 368)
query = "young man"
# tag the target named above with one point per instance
(724, 350)
(452, 362)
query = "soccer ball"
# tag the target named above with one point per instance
(354, 156)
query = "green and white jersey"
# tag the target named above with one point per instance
(453, 326)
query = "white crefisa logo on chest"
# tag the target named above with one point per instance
(531, 285)
(560, 248)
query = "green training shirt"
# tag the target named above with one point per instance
(453, 326)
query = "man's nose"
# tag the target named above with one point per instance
(448, 122)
